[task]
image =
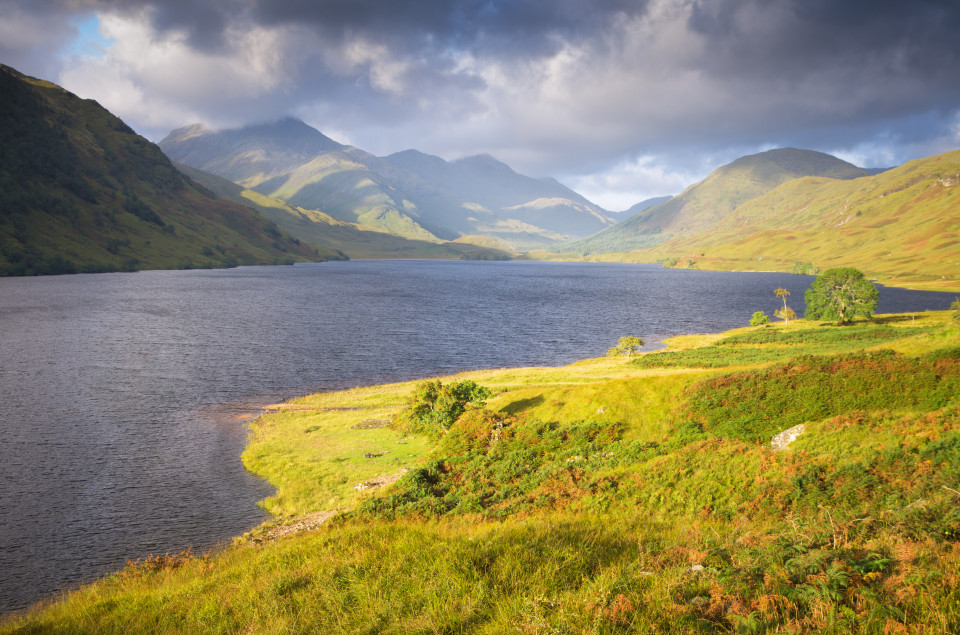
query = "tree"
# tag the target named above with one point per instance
(955, 306)
(759, 318)
(841, 294)
(434, 407)
(786, 313)
(626, 345)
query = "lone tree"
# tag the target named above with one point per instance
(841, 294)
(626, 345)
(786, 313)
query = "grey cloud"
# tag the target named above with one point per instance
(573, 86)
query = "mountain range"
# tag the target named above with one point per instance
(80, 191)
(409, 193)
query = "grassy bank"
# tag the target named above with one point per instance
(608, 496)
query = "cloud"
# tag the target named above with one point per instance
(602, 93)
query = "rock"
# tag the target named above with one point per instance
(783, 440)
(697, 568)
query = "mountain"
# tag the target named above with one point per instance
(355, 240)
(901, 226)
(410, 193)
(257, 154)
(80, 191)
(642, 206)
(704, 204)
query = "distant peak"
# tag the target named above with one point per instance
(484, 161)
(189, 132)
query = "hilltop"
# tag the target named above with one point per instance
(410, 193)
(704, 204)
(80, 191)
(901, 226)
(653, 494)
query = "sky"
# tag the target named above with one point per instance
(622, 100)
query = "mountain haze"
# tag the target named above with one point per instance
(409, 193)
(80, 191)
(356, 241)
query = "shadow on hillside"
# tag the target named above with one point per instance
(521, 405)
(892, 319)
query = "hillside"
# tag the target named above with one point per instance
(901, 227)
(642, 206)
(702, 205)
(615, 495)
(80, 191)
(409, 193)
(349, 239)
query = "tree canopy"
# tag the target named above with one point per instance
(841, 294)
(626, 345)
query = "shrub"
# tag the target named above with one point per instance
(434, 407)
(759, 318)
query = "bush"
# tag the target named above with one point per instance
(759, 318)
(434, 408)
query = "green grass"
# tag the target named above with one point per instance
(601, 497)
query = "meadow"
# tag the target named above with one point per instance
(613, 495)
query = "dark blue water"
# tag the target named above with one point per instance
(120, 393)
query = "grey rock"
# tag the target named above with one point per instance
(783, 440)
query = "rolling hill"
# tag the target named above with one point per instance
(411, 194)
(704, 204)
(901, 226)
(81, 192)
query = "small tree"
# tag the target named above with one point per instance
(955, 306)
(759, 318)
(841, 294)
(786, 313)
(626, 345)
(434, 408)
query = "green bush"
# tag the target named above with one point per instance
(759, 318)
(435, 407)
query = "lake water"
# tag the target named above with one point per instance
(121, 394)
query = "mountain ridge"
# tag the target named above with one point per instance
(412, 193)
